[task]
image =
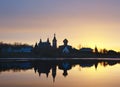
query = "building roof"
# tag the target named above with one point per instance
(86, 49)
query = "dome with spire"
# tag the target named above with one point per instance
(65, 41)
(65, 48)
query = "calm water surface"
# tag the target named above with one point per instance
(60, 73)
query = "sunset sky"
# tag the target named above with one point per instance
(85, 22)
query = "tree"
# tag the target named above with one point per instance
(96, 50)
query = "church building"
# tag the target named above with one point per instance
(47, 44)
(47, 49)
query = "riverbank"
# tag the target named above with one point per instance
(56, 59)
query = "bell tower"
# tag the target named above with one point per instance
(54, 42)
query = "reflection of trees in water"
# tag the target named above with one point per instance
(15, 66)
(44, 67)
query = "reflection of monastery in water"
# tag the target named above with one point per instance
(44, 68)
(51, 67)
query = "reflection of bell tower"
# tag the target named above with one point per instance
(54, 41)
(54, 72)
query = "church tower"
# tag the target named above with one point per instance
(54, 42)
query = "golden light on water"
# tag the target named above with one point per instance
(83, 74)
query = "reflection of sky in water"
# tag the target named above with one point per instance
(102, 76)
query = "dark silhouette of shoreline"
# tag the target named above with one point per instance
(48, 50)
